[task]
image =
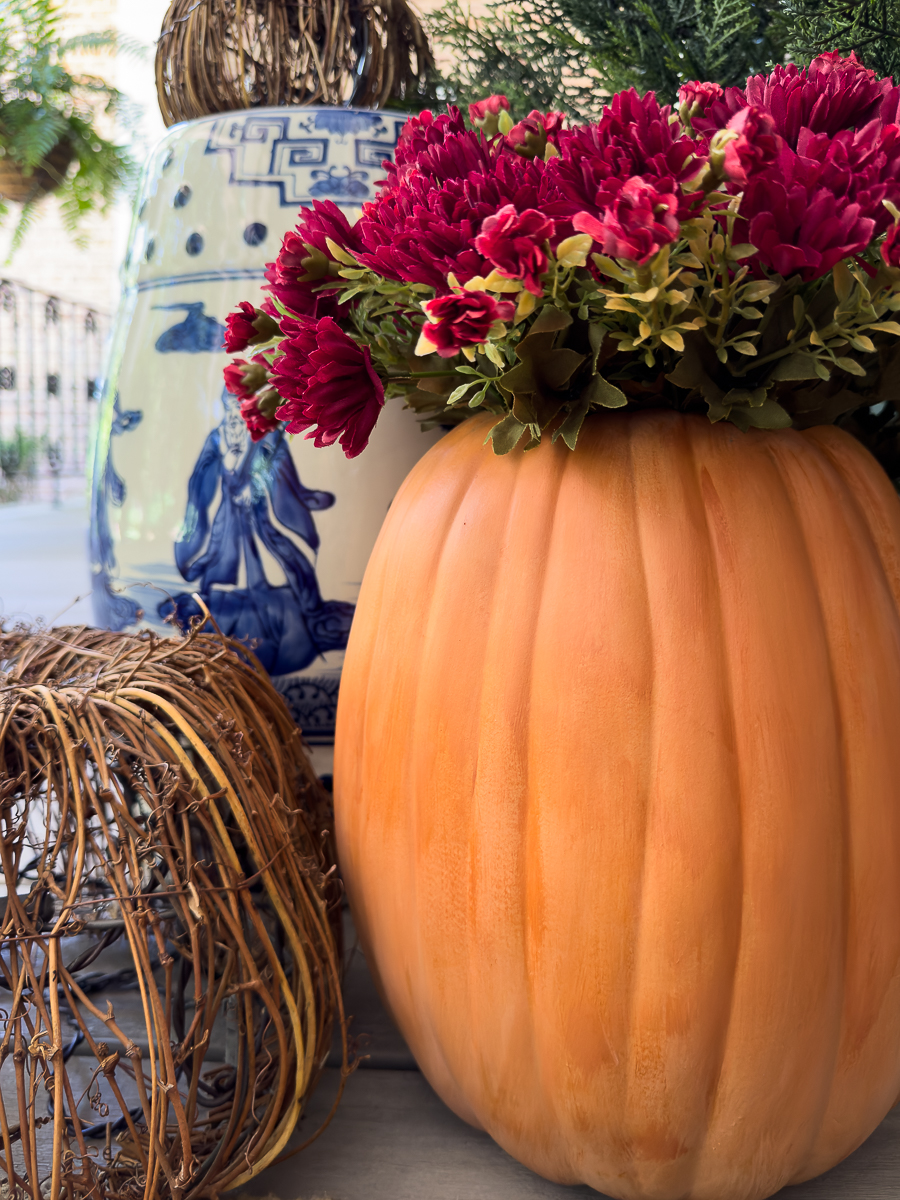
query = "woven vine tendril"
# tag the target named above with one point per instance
(156, 803)
(222, 55)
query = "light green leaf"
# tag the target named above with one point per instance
(506, 434)
(796, 366)
(744, 348)
(850, 365)
(458, 393)
(887, 327)
(742, 250)
(843, 281)
(769, 416)
(607, 395)
(571, 426)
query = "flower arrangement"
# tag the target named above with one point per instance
(737, 255)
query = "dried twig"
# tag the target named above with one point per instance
(157, 794)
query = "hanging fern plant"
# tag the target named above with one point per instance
(49, 141)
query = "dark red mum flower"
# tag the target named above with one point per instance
(257, 422)
(305, 264)
(426, 229)
(633, 137)
(463, 319)
(492, 106)
(890, 247)
(799, 226)
(327, 380)
(514, 242)
(243, 379)
(418, 137)
(749, 141)
(832, 94)
(636, 221)
(698, 96)
(530, 137)
(249, 326)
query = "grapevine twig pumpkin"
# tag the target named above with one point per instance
(162, 831)
(220, 55)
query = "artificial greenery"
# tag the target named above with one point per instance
(18, 463)
(570, 54)
(43, 105)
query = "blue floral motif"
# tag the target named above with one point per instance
(195, 334)
(340, 181)
(338, 121)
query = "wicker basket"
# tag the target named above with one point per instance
(170, 962)
(222, 55)
(19, 188)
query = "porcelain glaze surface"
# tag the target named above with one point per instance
(274, 536)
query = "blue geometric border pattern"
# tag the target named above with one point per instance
(312, 700)
(291, 151)
(211, 276)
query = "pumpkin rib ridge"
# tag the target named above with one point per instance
(783, 471)
(697, 469)
(633, 430)
(383, 565)
(437, 1042)
(866, 544)
(550, 1099)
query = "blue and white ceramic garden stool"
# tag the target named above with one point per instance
(274, 536)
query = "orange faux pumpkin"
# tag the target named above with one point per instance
(618, 797)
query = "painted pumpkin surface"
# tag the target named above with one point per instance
(618, 797)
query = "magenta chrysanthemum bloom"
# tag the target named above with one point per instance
(493, 105)
(249, 326)
(698, 96)
(633, 137)
(890, 247)
(755, 145)
(463, 319)
(244, 379)
(514, 243)
(258, 424)
(861, 167)
(291, 280)
(328, 382)
(832, 94)
(426, 229)
(530, 137)
(798, 226)
(418, 138)
(239, 331)
(636, 221)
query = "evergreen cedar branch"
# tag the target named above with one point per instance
(569, 54)
(42, 106)
(739, 256)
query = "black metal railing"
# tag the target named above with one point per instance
(50, 360)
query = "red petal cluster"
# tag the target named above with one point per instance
(637, 220)
(239, 331)
(493, 104)
(634, 137)
(327, 381)
(698, 96)
(514, 242)
(530, 137)
(754, 145)
(463, 319)
(245, 380)
(831, 94)
(890, 247)
(290, 279)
